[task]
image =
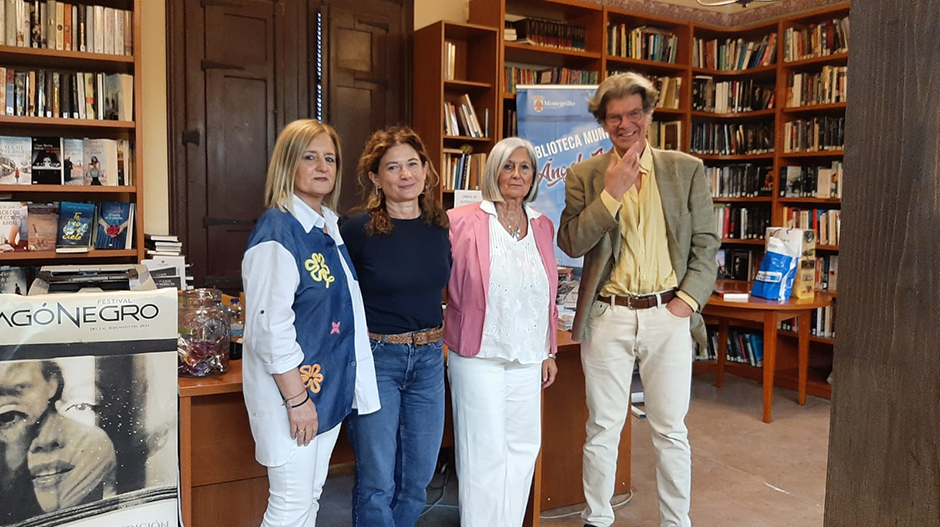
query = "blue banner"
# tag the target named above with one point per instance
(556, 120)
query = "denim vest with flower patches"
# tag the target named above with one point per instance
(323, 313)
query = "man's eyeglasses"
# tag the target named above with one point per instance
(634, 117)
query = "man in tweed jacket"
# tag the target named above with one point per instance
(642, 219)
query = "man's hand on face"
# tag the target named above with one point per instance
(622, 174)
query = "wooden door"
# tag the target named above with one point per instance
(239, 70)
(368, 80)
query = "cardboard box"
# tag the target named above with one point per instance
(804, 284)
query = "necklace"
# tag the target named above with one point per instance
(515, 232)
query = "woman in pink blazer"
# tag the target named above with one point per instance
(500, 328)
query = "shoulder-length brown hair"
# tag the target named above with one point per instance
(289, 148)
(430, 199)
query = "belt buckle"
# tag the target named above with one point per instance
(630, 301)
(419, 338)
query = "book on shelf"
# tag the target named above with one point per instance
(642, 43)
(741, 223)
(827, 272)
(516, 76)
(827, 223)
(549, 34)
(15, 160)
(812, 181)
(745, 180)
(32, 92)
(42, 223)
(463, 171)
(816, 134)
(74, 233)
(115, 226)
(664, 135)
(731, 96)
(827, 86)
(14, 226)
(163, 245)
(734, 54)
(712, 138)
(101, 163)
(460, 118)
(450, 60)
(47, 161)
(65, 26)
(816, 40)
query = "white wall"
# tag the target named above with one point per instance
(153, 147)
(430, 11)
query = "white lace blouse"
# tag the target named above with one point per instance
(515, 326)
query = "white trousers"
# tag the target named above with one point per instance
(617, 336)
(294, 488)
(497, 434)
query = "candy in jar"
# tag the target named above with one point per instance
(204, 333)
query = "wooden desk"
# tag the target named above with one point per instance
(770, 313)
(221, 484)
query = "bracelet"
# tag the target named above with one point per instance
(552, 356)
(301, 403)
(294, 396)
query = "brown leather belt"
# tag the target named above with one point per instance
(641, 301)
(418, 338)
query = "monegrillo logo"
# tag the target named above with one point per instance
(58, 314)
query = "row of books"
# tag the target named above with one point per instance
(514, 76)
(816, 40)
(746, 347)
(742, 223)
(68, 95)
(734, 54)
(732, 138)
(52, 24)
(731, 96)
(825, 87)
(463, 171)
(664, 135)
(811, 181)
(827, 223)
(814, 135)
(460, 118)
(65, 227)
(670, 91)
(738, 264)
(822, 322)
(642, 43)
(547, 33)
(740, 181)
(65, 161)
(450, 60)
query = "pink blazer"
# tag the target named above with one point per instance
(470, 277)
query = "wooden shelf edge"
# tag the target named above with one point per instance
(814, 108)
(13, 51)
(70, 189)
(552, 51)
(741, 241)
(465, 138)
(734, 73)
(54, 256)
(673, 66)
(456, 83)
(835, 57)
(821, 153)
(60, 122)
(733, 115)
(758, 199)
(739, 157)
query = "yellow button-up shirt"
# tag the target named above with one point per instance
(644, 265)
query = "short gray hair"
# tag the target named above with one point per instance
(619, 86)
(494, 165)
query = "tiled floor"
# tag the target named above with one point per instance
(745, 473)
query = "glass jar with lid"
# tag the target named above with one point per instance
(204, 333)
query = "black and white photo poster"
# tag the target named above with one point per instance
(88, 416)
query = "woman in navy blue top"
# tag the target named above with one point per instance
(401, 251)
(307, 363)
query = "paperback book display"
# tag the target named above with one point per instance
(66, 227)
(67, 94)
(65, 161)
(14, 232)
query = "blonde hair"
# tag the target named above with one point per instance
(430, 200)
(620, 86)
(288, 150)
(494, 165)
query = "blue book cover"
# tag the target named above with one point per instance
(75, 225)
(114, 222)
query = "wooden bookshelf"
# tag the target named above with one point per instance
(61, 60)
(488, 16)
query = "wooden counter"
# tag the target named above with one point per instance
(221, 484)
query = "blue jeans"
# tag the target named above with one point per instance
(397, 447)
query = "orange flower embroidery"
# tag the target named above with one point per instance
(311, 377)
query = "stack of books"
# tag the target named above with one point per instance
(166, 264)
